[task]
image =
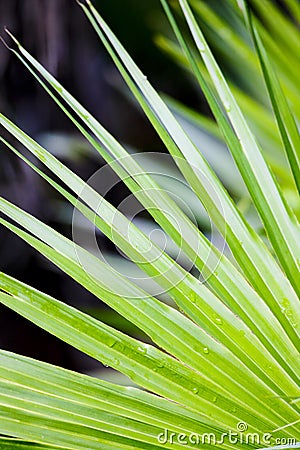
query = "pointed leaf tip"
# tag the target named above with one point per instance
(15, 40)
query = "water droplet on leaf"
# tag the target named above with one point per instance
(193, 297)
(142, 349)
(160, 365)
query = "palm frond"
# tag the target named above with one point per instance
(227, 352)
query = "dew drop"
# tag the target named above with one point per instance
(215, 398)
(41, 156)
(219, 321)
(285, 302)
(120, 346)
(195, 390)
(206, 350)
(142, 350)
(193, 297)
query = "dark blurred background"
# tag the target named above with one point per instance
(59, 35)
